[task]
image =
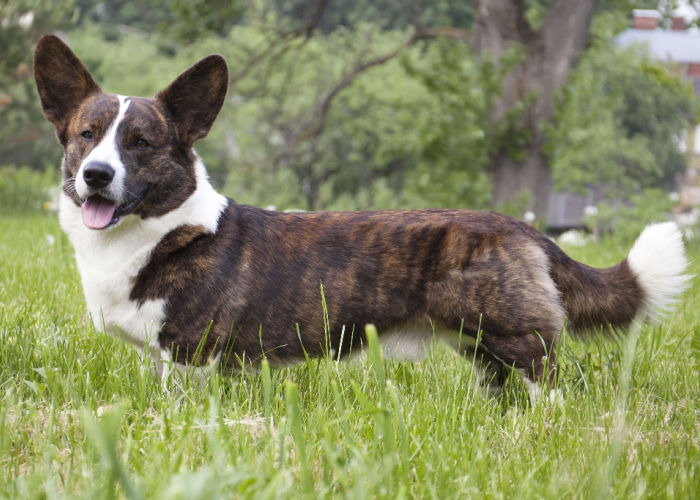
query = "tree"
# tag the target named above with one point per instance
(184, 20)
(549, 37)
(428, 107)
(533, 47)
(549, 52)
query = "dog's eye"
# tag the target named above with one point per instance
(141, 143)
(87, 135)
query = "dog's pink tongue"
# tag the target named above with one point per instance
(97, 212)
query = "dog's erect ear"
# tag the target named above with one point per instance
(196, 96)
(62, 80)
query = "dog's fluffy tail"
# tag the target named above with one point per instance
(644, 285)
(658, 259)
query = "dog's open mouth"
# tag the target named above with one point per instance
(99, 212)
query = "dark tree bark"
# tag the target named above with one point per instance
(551, 51)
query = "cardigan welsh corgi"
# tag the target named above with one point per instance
(178, 269)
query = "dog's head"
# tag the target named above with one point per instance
(126, 155)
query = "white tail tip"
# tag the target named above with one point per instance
(658, 259)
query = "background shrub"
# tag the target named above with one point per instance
(23, 189)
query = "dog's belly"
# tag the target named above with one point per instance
(412, 342)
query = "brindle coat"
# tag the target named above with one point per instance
(255, 283)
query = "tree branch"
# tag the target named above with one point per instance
(320, 108)
(280, 44)
(498, 23)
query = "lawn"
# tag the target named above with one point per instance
(82, 416)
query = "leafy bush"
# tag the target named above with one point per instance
(618, 122)
(23, 189)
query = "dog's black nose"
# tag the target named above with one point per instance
(97, 174)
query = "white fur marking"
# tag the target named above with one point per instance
(658, 259)
(536, 392)
(411, 343)
(171, 372)
(110, 259)
(107, 151)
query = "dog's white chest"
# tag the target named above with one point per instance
(108, 265)
(111, 309)
(109, 261)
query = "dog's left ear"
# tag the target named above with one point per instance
(196, 96)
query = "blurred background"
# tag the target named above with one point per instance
(570, 114)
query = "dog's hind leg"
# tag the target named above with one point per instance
(506, 292)
(531, 355)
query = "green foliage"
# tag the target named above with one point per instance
(385, 14)
(380, 146)
(408, 133)
(190, 20)
(25, 189)
(127, 62)
(456, 142)
(425, 117)
(25, 136)
(417, 131)
(182, 20)
(618, 123)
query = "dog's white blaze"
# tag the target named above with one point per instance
(107, 151)
(109, 260)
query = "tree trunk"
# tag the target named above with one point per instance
(529, 179)
(550, 52)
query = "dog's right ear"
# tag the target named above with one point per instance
(62, 80)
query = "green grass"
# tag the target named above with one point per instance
(82, 417)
